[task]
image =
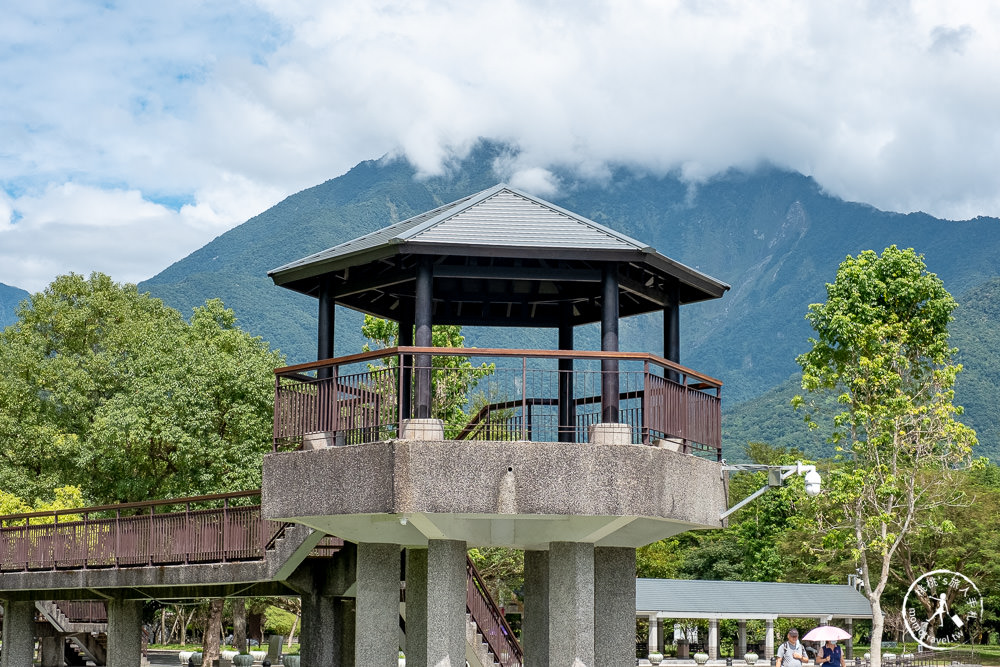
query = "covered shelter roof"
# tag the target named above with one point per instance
(499, 256)
(691, 598)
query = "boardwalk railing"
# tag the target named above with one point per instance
(491, 394)
(202, 529)
(490, 620)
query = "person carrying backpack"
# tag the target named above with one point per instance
(792, 653)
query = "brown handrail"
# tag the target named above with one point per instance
(490, 620)
(135, 505)
(496, 352)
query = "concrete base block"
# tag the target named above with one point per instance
(673, 444)
(322, 440)
(422, 429)
(607, 433)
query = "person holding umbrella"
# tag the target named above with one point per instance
(829, 654)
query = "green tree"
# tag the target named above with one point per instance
(111, 391)
(881, 346)
(452, 377)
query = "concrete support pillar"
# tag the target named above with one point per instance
(327, 635)
(535, 623)
(571, 604)
(435, 604)
(416, 607)
(654, 634)
(18, 634)
(741, 648)
(769, 640)
(376, 640)
(713, 639)
(662, 643)
(849, 647)
(672, 328)
(614, 605)
(53, 650)
(124, 633)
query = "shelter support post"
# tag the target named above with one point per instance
(567, 407)
(405, 366)
(435, 604)
(849, 627)
(609, 343)
(325, 324)
(654, 634)
(672, 328)
(53, 651)
(769, 640)
(422, 319)
(535, 625)
(713, 639)
(741, 649)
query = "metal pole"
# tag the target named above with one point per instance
(567, 408)
(609, 343)
(422, 319)
(405, 366)
(326, 315)
(672, 328)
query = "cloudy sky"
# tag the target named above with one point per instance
(132, 133)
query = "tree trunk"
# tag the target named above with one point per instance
(878, 624)
(163, 625)
(213, 627)
(239, 625)
(255, 625)
(184, 625)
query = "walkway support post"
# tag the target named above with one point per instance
(849, 653)
(18, 634)
(653, 641)
(376, 639)
(769, 640)
(571, 604)
(713, 639)
(614, 605)
(742, 648)
(325, 324)
(535, 625)
(124, 633)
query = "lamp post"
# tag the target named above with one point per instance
(776, 476)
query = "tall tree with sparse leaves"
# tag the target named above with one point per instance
(881, 346)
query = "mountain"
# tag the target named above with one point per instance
(10, 297)
(773, 235)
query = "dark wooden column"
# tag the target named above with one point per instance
(609, 343)
(422, 320)
(406, 365)
(672, 328)
(567, 408)
(326, 320)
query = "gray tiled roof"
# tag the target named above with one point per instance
(690, 598)
(500, 216)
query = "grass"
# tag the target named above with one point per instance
(197, 647)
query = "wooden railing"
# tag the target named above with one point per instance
(202, 529)
(83, 611)
(506, 395)
(490, 620)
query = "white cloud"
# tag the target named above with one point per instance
(178, 120)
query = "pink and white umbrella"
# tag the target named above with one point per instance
(826, 633)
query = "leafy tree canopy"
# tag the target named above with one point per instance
(111, 391)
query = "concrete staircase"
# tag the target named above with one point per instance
(87, 639)
(477, 651)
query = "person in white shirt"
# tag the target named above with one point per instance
(792, 653)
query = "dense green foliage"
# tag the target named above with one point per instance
(109, 390)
